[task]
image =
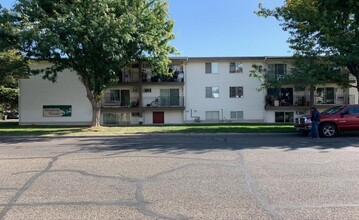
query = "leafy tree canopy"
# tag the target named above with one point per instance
(13, 67)
(96, 38)
(322, 28)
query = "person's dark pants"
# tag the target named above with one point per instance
(314, 130)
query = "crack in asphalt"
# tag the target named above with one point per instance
(139, 202)
(252, 189)
(249, 180)
(29, 183)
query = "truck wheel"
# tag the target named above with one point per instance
(328, 130)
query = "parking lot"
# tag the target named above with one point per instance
(282, 176)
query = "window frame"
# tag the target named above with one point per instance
(285, 113)
(237, 68)
(212, 68)
(276, 72)
(237, 113)
(238, 93)
(212, 92)
(212, 113)
(323, 96)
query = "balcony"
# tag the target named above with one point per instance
(166, 102)
(109, 101)
(303, 102)
(134, 79)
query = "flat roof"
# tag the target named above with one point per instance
(241, 58)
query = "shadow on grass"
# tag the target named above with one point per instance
(14, 129)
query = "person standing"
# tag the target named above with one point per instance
(315, 118)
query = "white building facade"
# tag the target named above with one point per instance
(221, 90)
(42, 102)
(198, 90)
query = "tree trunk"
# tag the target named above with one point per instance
(311, 95)
(354, 70)
(96, 110)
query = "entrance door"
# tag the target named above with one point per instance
(158, 117)
(125, 98)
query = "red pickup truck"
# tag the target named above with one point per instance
(332, 121)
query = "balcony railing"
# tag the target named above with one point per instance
(305, 101)
(163, 101)
(160, 101)
(135, 78)
(110, 101)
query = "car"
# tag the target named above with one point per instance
(10, 115)
(332, 121)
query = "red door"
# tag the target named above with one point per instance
(158, 117)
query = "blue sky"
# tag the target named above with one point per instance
(223, 28)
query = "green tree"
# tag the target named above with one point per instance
(13, 66)
(311, 70)
(324, 28)
(95, 38)
(307, 70)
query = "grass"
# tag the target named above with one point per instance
(13, 129)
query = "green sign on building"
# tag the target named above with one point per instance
(57, 110)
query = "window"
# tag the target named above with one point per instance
(352, 110)
(284, 117)
(236, 92)
(135, 114)
(116, 118)
(117, 97)
(284, 97)
(147, 90)
(212, 68)
(169, 97)
(212, 115)
(212, 92)
(325, 96)
(235, 115)
(235, 67)
(277, 71)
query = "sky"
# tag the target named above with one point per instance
(221, 28)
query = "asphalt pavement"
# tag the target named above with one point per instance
(282, 176)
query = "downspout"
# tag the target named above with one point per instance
(140, 101)
(265, 95)
(185, 90)
(19, 102)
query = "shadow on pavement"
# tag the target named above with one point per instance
(178, 144)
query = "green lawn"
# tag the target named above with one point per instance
(13, 129)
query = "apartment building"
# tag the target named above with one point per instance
(198, 90)
(139, 97)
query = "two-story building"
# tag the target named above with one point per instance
(197, 90)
